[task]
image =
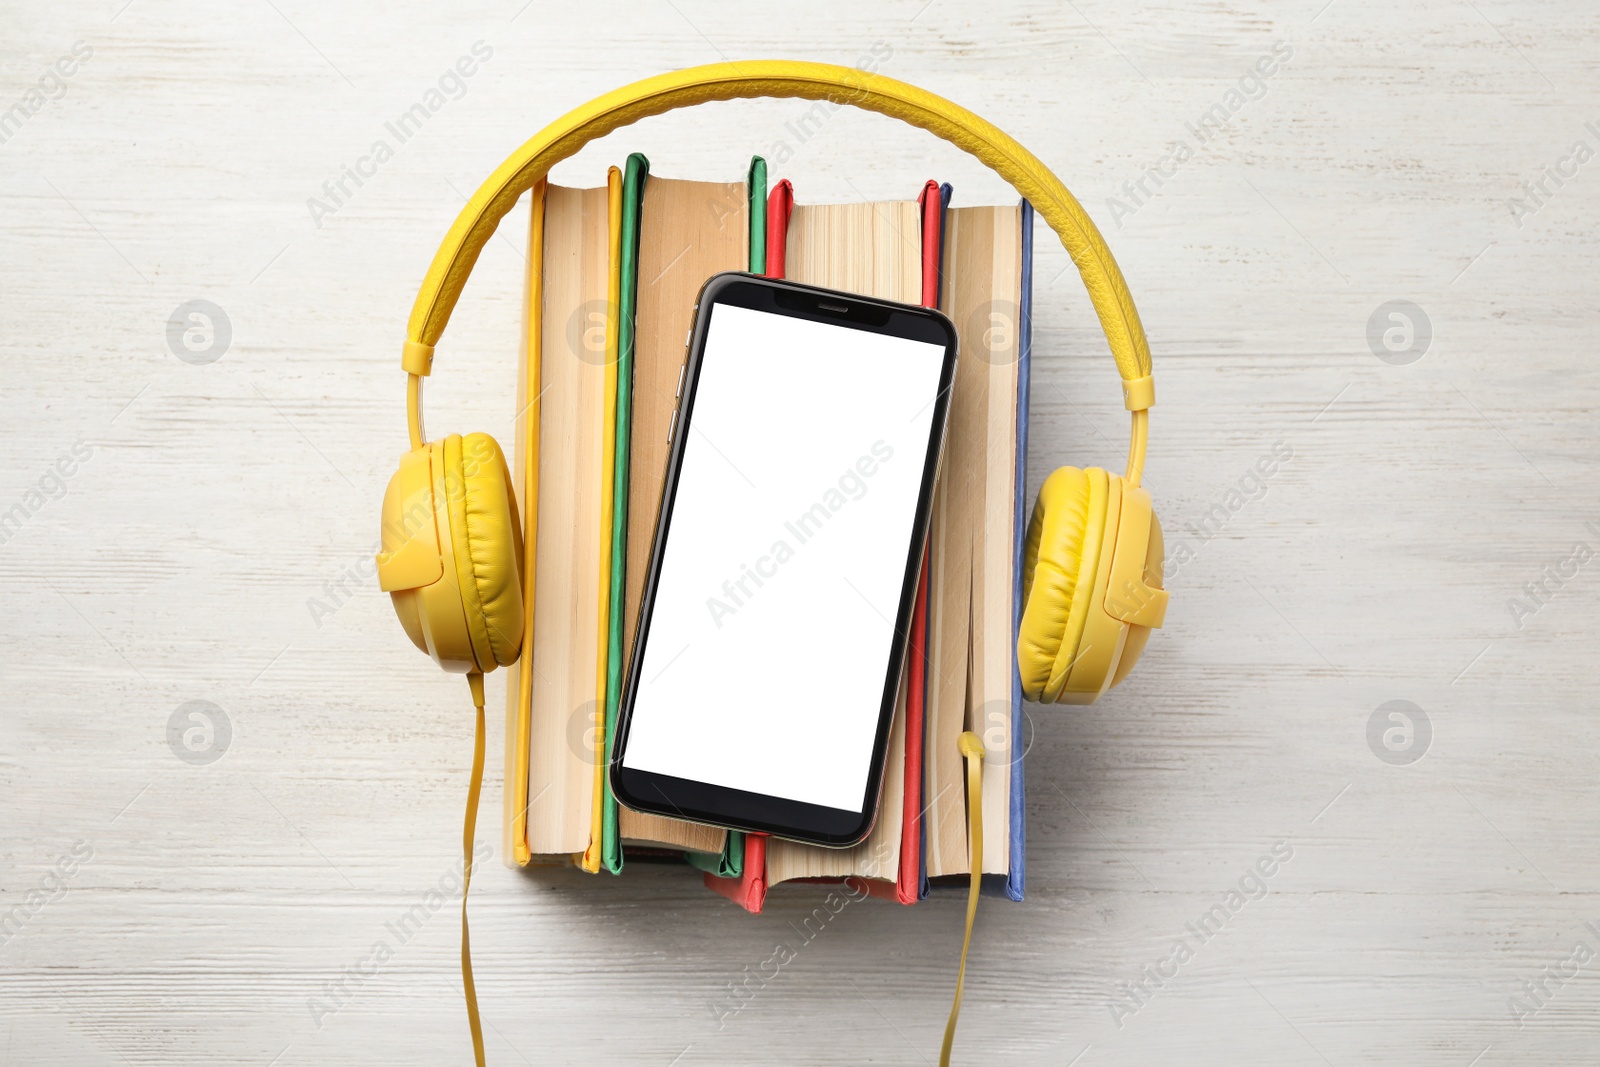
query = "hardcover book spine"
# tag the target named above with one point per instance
(633, 179)
(908, 881)
(945, 191)
(594, 856)
(1019, 853)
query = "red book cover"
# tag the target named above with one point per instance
(909, 881)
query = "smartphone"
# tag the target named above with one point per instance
(771, 634)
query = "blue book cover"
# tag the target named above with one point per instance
(1011, 885)
(1019, 817)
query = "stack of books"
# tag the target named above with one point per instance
(612, 280)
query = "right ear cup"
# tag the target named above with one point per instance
(452, 553)
(1058, 576)
(1091, 575)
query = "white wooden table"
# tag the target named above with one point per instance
(214, 544)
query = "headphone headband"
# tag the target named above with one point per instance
(476, 223)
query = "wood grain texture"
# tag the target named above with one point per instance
(215, 544)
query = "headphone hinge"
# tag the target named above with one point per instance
(1139, 393)
(417, 358)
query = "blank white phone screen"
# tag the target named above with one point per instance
(773, 622)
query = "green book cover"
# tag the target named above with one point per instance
(757, 186)
(633, 179)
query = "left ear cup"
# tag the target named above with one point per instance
(488, 546)
(452, 553)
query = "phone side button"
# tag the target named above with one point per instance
(673, 425)
(681, 372)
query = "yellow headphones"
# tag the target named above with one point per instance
(452, 543)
